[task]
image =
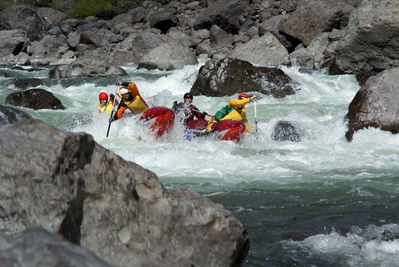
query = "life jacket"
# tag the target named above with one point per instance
(137, 105)
(189, 111)
(234, 110)
(107, 108)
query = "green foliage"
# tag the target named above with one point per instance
(5, 3)
(105, 9)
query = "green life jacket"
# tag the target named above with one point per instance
(223, 112)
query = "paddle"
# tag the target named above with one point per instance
(110, 121)
(256, 121)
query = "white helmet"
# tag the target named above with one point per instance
(123, 91)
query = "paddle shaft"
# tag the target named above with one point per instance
(256, 121)
(112, 114)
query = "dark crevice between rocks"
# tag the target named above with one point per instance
(76, 153)
(70, 226)
(18, 49)
(165, 25)
(292, 41)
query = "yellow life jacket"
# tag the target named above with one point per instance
(237, 113)
(137, 105)
(107, 108)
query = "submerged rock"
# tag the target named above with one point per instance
(69, 184)
(285, 131)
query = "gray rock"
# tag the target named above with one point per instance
(69, 184)
(12, 42)
(313, 17)
(376, 104)
(219, 37)
(21, 17)
(265, 50)
(223, 13)
(87, 67)
(170, 55)
(34, 99)
(371, 40)
(230, 76)
(38, 247)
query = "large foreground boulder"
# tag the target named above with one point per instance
(376, 104)
(230, 76)
(371, 41)
(38, 247)
(69, 184)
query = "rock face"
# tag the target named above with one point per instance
(87, 67)
(285, 131)
(34, 99)
(11, 115)
(376, 104)
(266, 50)
(69, 184)
(314, 17)
(371, 41)
(38, 247)
(230, 76)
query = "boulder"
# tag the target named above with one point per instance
(27, 83)
(223, 13)
(285, 131)
(34, 99)
(10, 115)
(38, 247)
(51, 16)
(371, 41)
(162, 18)
(313, 17)
(71, 185)
(265, 50)
(12, 42)
(230, 76)
(376, 104)
(87, 67)
(170, 55)
(21, 17)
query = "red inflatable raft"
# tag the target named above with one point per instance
(159, 119)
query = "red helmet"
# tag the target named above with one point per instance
(188, 95)
(102, 96)
(243, 95)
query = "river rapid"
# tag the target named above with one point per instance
(318, 202)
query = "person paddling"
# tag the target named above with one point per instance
(106, 104)
(130, 99)
(234, 110)
(187, 109)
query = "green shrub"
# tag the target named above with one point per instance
(5, 3)
(105, 9)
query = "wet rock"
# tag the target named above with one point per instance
(10, 115)
(285, 131)
(69, 184)
(34, 99)
(230, 76)
(27, 83)
(375, 104)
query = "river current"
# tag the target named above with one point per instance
(318, 202)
